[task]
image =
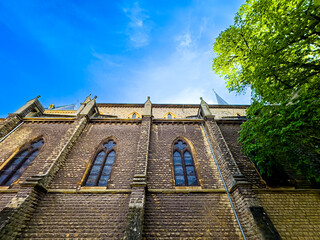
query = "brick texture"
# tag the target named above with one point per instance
(82, 154)
(52, 134)
(64, 216)
(160, 170)
(230, 133)
(5, 198)
(144, 155)
(135, 217)
(296, 216)
(189, 216)
(8, 124)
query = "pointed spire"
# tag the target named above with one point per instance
(220, 100)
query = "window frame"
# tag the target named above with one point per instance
(26, 147)
(138, 116)
(183, 164)
(101, 148)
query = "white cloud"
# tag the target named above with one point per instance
(139, 26)
(178, 70)
(184, 40)
(183, 76)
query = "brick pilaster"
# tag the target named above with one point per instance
(253, 219)
(9, 124)
(135, 217)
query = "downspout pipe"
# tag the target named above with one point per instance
(2, 139)
(224, 184)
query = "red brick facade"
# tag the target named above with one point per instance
(141, 199)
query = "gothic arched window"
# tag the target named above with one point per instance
(101, 167)
(18, 164)
(184, 167)
(134, 115)
(169, 116)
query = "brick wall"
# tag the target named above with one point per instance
(189, 216)
(52, 134)
(223, 112)
(159, 112)
(120, 112)
(160, 171)
(295, 215)
(8, 124)
(5, 198)
(230, 133)
(180, 112)
(201, 213)
(79, 216)
(126, 137)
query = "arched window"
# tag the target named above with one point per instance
(18, 164)
(183, 163)
(134, 115)
(101, 167)
(169, 115)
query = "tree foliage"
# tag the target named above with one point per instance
(274, 48)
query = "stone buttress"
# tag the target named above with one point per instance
(253, 219)
(135, 218)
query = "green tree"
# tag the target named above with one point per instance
(273, 47)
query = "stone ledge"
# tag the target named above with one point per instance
(116, 120)
(89, 190)
(177, 120)
(51, 119)
(219, 190)
(284, 190)
(7, 190)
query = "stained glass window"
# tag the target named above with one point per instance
(169, 116)
(184, 167)
(19, 163)
(101, 167)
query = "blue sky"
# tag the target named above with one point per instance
(121, 51)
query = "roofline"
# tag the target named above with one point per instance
(159, 105)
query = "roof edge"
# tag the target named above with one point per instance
(158, 105)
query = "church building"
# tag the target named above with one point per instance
(141, 171)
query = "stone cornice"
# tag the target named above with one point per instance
(40, 119)
(157, 105)
(177, 120)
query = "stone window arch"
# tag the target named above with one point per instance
(13, 170)
(169, 115)
(101, 167)
(134, 115)
(183, 164)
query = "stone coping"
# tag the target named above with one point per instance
(90, 190)
(104, 190)
(50, 119)
(158, 105)
(187, 190)
(284, 190)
